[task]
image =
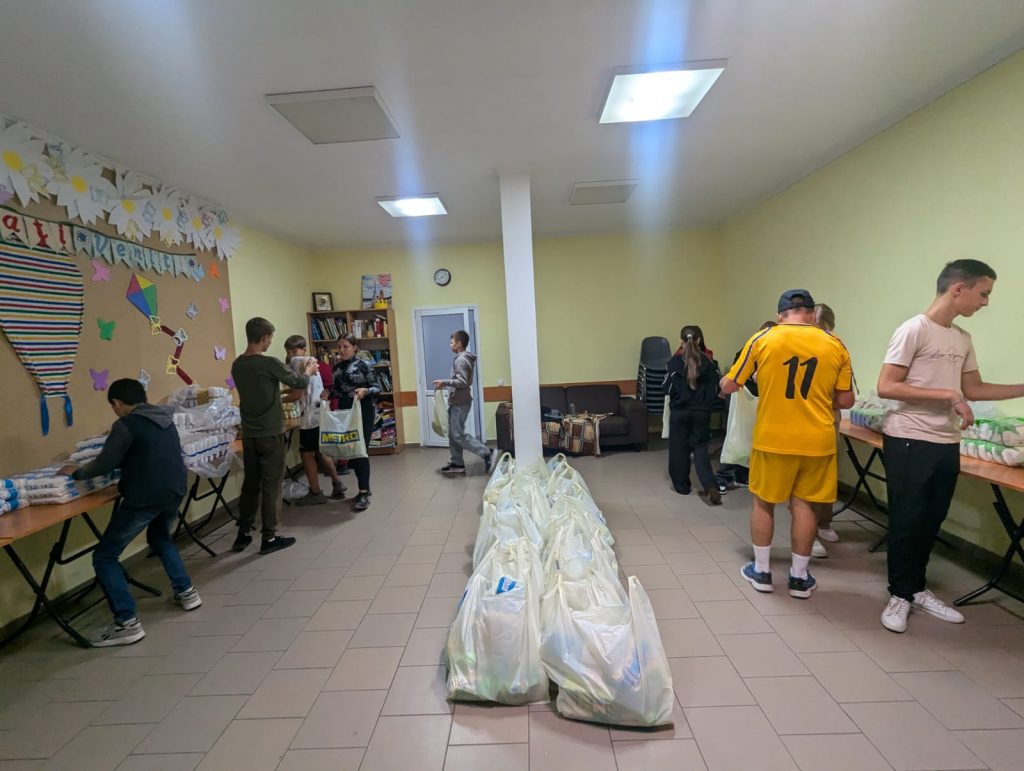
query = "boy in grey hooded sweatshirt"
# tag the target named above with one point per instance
(459, 402)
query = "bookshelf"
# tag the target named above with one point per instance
(375, 330)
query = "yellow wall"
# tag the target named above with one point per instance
(597, 298)
(267, 277)
(869, 233)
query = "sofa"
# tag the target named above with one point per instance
(625, 427)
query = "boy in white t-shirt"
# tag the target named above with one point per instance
(309, 427)
(931, 371)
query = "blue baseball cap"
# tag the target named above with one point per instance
(792, 299)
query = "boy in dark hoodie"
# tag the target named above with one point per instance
(144, 444)
(459, 402)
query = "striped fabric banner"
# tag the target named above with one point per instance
(42, 300)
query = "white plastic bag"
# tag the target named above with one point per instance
(341, 433)
(739, 428)
(607, 660)
(439, 420)
(494, 643)
(505, 523)
(293, 489)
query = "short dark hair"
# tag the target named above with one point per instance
(462, 336)
(257, 328)
(126, 390)
(349, 338)
(962, 272)
(294, 342)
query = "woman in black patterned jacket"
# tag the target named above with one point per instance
(354, 379)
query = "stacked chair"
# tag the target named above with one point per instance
(650, 379)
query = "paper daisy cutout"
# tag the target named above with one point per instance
(23, 168)
(226, 239)
(81, 188)
(165, 216)
(190, 222)
(132, 211)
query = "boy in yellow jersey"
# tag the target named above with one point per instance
(803, 372)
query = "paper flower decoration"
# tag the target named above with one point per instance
(80, 187)
(226, 239)
(165, 216)
(23, 168)
(132, 211)
(191, 222)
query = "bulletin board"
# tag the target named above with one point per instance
(132, 347)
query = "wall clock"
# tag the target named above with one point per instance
(442, 277)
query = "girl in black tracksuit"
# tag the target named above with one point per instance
(353, 379)
(692, 387)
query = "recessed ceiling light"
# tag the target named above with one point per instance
(341, 115)
(413, 206)
(613, 191)
(660, 92)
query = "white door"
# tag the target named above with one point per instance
(433, 329)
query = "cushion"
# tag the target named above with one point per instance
(554, 397)
(594, 398)
(614, 425)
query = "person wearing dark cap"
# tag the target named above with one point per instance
(803, 373)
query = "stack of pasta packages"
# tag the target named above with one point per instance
(545, 606)
(999, 440)
(869, 411)
(207, 423)
(48, 485)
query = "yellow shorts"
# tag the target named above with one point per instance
(776, 478)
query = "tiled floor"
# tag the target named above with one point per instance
(328, 655)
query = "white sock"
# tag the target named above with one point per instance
(799, 568)
(762, 563)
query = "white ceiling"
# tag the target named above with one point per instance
(175, 88)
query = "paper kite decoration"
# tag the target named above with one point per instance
(142, 294)
(106, 328)
(99, 379)
(42, 302)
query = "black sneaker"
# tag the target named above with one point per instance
(242, 542)
(338, 491)
(723, 488)
(276, 543)
(801, 588)
(361, 502)
(452, 468)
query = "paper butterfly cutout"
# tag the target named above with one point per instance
(192, 311)
(198, 273)
(100, 271)
(219, 353)
(99, 379)
(230, 382)
(172, 365)
(223, 304)
(180, 337)
(144, 378)
(106, 328)
(214, 270)
(154, 325)
(5, 194)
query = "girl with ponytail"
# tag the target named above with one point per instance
(692, 387)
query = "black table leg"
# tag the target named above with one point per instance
(41, 601)
(1015, 531)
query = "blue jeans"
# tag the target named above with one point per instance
(458, 439)
(126, 523)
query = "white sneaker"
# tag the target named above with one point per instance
(894, 617)
(933, 606)
(818, 550)
(828, 534)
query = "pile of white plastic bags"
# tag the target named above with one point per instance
(545, 604)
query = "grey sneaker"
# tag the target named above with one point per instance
(120, 633)
(310, 499)
(188, 599)
(338, 490)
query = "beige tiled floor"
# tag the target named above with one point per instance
(329, 655)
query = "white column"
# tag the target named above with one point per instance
(517, 240)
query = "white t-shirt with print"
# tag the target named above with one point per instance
(935, 357)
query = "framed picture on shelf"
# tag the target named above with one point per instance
(322, 301)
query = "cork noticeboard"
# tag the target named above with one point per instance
(132, 348)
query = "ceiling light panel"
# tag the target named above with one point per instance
(341, 115)
(659, 93)
(413, 206)
(612, 191)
